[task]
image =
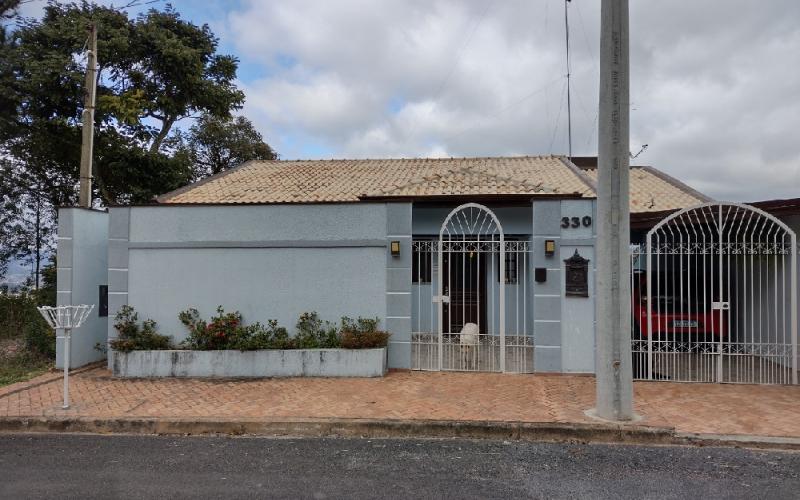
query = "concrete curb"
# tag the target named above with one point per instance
(525, 431)
(740, 441)
(331, 427)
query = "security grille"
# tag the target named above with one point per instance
(714, 298)
(481, 319)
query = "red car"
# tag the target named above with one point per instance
(672, 316)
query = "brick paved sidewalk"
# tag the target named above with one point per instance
(690, 408)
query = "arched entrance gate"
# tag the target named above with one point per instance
(714, 298)
(470, 297)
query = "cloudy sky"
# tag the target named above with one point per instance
(715, 85)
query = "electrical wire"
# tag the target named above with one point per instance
(558, 117)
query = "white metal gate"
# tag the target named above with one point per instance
(471, 295)
(717, 298)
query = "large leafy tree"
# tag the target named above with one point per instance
(8, 102)
(179, 72)
(8, 8)
(154, 70)
(217, 144)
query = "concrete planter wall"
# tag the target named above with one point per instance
(266, 363)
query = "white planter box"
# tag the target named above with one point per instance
(265, 363)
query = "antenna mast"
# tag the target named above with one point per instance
(569, 104)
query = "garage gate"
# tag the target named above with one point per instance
(714, 298)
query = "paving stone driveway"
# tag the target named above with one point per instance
(695, 408)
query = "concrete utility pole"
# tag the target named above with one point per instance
(87, 144)
(614, 372)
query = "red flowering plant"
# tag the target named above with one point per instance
(223, 331)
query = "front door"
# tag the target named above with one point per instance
(465, 284)
(471, 238)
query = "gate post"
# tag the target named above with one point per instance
(440, 306)
(793, 305)
(721, 299)
(502, 303)
(649, 278)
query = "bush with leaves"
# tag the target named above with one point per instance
(258, 336)
(132, 337)
(227, 331)
(313, 333)
(224, 331)
(362, 333)
(40, 338)
(16, 311)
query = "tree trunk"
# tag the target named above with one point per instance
(105, 196)
(38, 239)
(165, 128)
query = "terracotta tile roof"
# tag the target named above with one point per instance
(655, 191)
(317, 181)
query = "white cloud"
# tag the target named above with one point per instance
(714, 89)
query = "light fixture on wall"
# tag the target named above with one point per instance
(549, 247)
(394, 247)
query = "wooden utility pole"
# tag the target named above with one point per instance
(614, 372)
(87, 144)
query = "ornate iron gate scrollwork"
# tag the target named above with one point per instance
(717, 298)
(470, 296)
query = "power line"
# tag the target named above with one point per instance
(456, 59)
(511, 105)
(558, 118)
(461, 50)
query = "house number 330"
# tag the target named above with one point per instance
(585, 221)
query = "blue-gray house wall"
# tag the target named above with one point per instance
(277, 261)
(267, 261)
(82, 251)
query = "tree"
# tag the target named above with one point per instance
(157, 68)
(217, 144)
(27, 224)
(8, 8)
(154, 70)
(179, 72)
(8, 103)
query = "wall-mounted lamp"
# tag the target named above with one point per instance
(549, 247)
(394, 247)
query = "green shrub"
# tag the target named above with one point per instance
(258, 336)
(224, 331)
(313, 333)
(40, 338)
(132, 337)
(227, 331)
(362, 333)
(16, 311)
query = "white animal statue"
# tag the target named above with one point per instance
(469, 339)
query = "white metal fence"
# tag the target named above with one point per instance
(714, 298)
(471, 297)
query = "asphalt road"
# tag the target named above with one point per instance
(88, 466)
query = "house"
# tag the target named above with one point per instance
(502, 245)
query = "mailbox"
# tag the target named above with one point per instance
(577, 276)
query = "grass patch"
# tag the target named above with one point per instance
(21, 367)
